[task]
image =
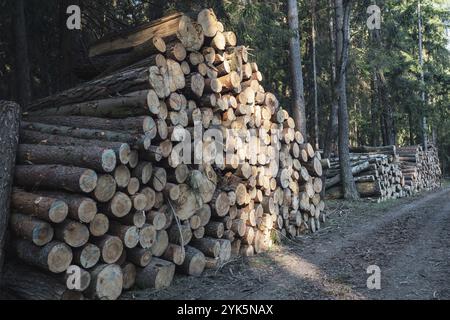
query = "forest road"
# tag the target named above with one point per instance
(408, 239)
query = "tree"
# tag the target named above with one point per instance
(332, 127)
(342, 30)
(21, 55)
(422, 81)
(298, 99)
(316, 104)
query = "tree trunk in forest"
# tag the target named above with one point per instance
(374, 106)
(9, 137)
(422, 81)
(298, 106)
(316, 103)
(332, 127)
(68, 42)
(342, 26)
(22, 63)
(381, 98)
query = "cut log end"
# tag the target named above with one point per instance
(88, 181)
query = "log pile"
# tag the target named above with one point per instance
(172, 159)
(387, 172)
(420, 168)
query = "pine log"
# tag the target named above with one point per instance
(147, 236)
(106, 282)
(129, 275)
(86, 256)
(73, 233)
(180, 235)
(111, 248)
(174, 253)
(139, 256)
(194, 262)
(30, 228)
(128, 234)
(137, 140)
(73, 179)
(105, 188)
(122, 150)
(209, 246)
(158, 274)
(45, 208)
(137, 103)
(55, 256)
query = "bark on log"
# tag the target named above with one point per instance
(158, 274)
(72, 179)
(55, 256)
(111, 248)
(161, 243)
(86, 256)
(80, 208)
(9, 138)
(35, 230)
(139, 256)
(194, 262)
(122, 150)
(209, 246)
(106, 282)
(45, 208)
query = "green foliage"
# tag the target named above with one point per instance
(262, 25)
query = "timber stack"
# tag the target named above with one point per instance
(126, 175)
(420, 168)
(387, 172)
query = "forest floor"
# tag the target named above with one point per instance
(408, 239)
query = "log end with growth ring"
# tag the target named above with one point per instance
(58, 211)
(87, 210)
(88, 181)
(108, 160)
(59, 258)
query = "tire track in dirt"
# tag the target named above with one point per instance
(409, 242)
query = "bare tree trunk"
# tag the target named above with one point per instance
(316, 105)
(21, 62)
(410, 127)
(342, 25)
(298, 106)
(332, 127)
(422, 80)
(9, 138)
(374, 106)
(381, 97)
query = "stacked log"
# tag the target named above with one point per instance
(171, 160)
(376, 176)
(421, 168)
(387, 172)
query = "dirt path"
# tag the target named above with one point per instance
(408, 239)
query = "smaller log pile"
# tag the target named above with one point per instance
(376, 176)
(388, 172)
(421, 169)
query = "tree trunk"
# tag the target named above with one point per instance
(298, 106)
(9, 137)
(342, 25)
(316, 103)
(332, 128)
(422, 81)
(22, 63)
